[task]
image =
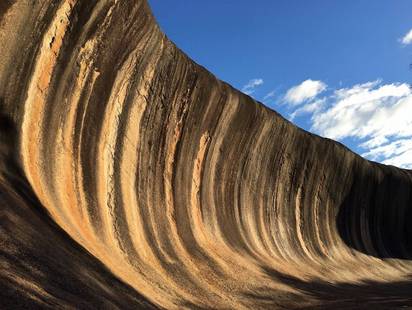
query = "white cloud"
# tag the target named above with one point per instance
(310, 107)
(403, 160)
(250, 87)
(407, 39)
(389, 150)
(376, 116)
(367, 110)
(269, 95)
(374, 142)
(308, 90)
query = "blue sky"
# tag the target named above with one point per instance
(337, 68)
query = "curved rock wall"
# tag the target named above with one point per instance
(187, 190)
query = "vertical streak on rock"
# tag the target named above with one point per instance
(32, 126)
(71, 198)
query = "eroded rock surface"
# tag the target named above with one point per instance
(130, 177)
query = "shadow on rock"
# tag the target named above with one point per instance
(325, 295)
(375, 217)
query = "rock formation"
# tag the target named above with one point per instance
(130, 177)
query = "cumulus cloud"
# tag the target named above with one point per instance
(311, 107)
(407, 39)
(250, 87)
(304, 92)
(376, 116)
(367, 110)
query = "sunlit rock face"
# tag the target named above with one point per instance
(130, 177)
